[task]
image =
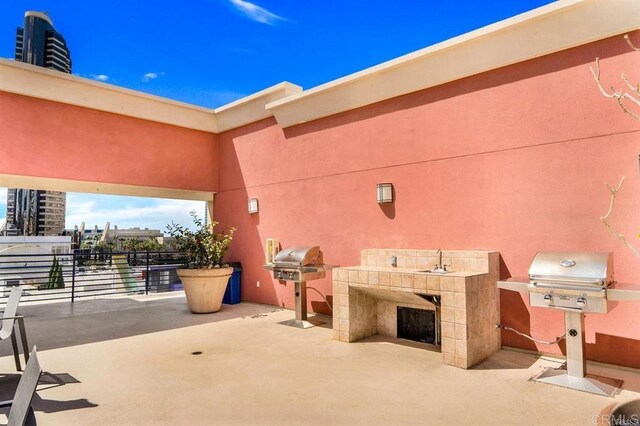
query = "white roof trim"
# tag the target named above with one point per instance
(548, 29)
(38, 82)
(552, 28)
(65, 185)
(252, 108)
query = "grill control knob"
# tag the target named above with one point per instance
(548, 299)
(581, 302)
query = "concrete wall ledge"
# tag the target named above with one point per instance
(542, 31)
(42, 83)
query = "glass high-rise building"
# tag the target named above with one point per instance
(38, 43)
(36, 212)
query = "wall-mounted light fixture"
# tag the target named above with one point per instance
(252, 205)
(385, 193)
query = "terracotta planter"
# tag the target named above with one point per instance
(626, 413)
(204, 288)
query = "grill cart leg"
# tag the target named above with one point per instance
(574, 328)
(301, 300)
(301, 320)
(574, 376)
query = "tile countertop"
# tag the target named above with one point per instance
(410, 271)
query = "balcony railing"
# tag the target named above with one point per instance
(72, 276)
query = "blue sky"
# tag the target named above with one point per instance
(212, 52)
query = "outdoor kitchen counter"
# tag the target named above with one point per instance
(407, 280)
(390, 269)
(366, 298)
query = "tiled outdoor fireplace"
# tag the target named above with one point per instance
(367, 297)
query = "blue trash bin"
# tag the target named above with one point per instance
(232, 293)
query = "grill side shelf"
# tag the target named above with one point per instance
(623, 291)
(515, 284)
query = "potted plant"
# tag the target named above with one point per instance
(205, 275)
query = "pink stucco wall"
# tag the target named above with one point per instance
(514, 160)
(49, 139)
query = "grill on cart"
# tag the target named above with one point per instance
(299, 264)
(575, 283)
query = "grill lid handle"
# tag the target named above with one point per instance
(567, 263)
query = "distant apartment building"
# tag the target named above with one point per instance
(38, 212)
(34, 212)
(132, 233)
(108, 234)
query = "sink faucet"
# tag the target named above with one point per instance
(440, 267)
(394, 261)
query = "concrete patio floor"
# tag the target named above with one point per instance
(129, 361)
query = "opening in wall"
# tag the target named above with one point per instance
(419, 325)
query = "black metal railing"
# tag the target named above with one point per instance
(72, 276)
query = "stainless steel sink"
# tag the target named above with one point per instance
(436, 271)
(440, 268)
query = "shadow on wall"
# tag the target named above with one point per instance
(578, 56)
(389, 210)
(255, 219)
(321, 307)
(519, 319)
(233, 195)
(626, 350)
(519, 316)
(504, 270)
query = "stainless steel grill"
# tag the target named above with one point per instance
(566, 280)
(576, 283)
(299, 264)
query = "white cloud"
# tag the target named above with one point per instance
(100, 77)
(151, 76)
(256, 13)
(126, 212)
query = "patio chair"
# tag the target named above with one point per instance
(7, 327)
(21, 413)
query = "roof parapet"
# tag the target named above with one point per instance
(252, 108)
(38, 82)
(548, 29)
(43, 83)
(542, 31)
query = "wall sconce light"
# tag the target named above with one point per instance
(385, 193)
(252, 205)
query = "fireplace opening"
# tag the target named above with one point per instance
(419, 325)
